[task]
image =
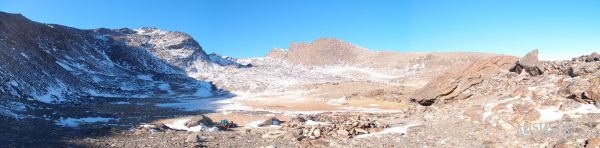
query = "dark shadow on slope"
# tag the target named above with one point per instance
(45, 131)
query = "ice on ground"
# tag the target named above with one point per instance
(54, 93)
(145, 77)
(180, 125)
(121, 103)
(14, 83)
(254, 124)
(582, 110)
(393, 130)
(200, 92)
(194, 104)
(549, 114)
(74, 122)
(12, 109)
(554, 114)
(64, 65)
(25, 55)
(164, 86)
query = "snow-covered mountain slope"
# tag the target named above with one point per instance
(56, 64)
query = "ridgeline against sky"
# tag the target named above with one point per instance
(560, 29)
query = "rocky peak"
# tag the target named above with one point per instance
(177, 48)
(323, 51)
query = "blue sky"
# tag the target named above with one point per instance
(561, 29)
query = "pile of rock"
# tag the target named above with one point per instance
(580, 66)
(340, 126)
(582, 90)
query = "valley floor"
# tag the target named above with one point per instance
(139, 123)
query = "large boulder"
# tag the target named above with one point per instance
(530, 64)
(452, 85)
(593, 92)
(199, 120)
(593, 57)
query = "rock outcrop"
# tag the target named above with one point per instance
(452, 85)
(323, 51)
(530, 64)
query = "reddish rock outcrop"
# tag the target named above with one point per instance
(451, 86)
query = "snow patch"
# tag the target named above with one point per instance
(121, 103)
(14, 83)
(145, 77)
(254, 124)
(180, 125)
(25, 55)
(195, 103)
(549, 114)
(64, 66)
(75, 122)
(54, 93)
(393, 130)
(337, 102)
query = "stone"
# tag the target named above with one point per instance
(593, 142)
(268, 146)
(141, 131)
(192, 138)
(342, 132)
(161, 126)
(568, 143)
(269, 122)
(523, 108)
(530, 64)
(361, 131)
(582, 69)
(274, 135)
(317, 133)
(319, 143)
(593, 92)
(532, 116)
(197, 120)
(594, 124)
(593, 57)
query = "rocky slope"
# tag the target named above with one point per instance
(58, 64)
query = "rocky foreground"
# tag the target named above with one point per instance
(66, 87)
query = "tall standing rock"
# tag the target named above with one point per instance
(530, 64)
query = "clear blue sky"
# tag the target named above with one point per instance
(247, 28)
